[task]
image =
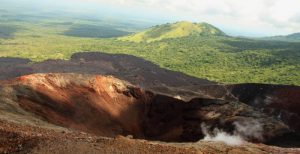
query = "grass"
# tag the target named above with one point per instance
(217, 58)
(176, 30)
(7, 31)
(94, 31)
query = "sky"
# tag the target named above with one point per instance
(236, 17)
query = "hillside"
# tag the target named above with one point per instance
(213, 56)
(93, 109)
(174, 30)
(290, 37)
(295, 36)
(95, 31)
(74, 83)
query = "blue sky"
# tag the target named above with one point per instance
(235, 17)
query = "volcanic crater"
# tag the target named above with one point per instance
(138, 99)
(107, 106)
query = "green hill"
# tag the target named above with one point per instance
(294, 36)
(174, 30)
(176, 46)
(290, 37)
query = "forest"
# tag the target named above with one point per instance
(218, 58)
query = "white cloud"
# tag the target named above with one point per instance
(265, 16)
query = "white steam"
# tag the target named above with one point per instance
(246, 130)
(250, 129)
(226, 138)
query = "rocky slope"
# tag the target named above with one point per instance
(156, 104)
(107, 106)
(130, 68)
(28, 139)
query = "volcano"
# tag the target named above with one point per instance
(141, 105)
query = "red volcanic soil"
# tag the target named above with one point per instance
(108, 107)
(101, 105)
(16, 138)
(42, 113)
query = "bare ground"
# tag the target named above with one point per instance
(17, 138)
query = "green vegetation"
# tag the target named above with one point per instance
(95, 31)
(199, 50)
(295, 36)
(7, 31)
(176, 30)
(291, 37)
